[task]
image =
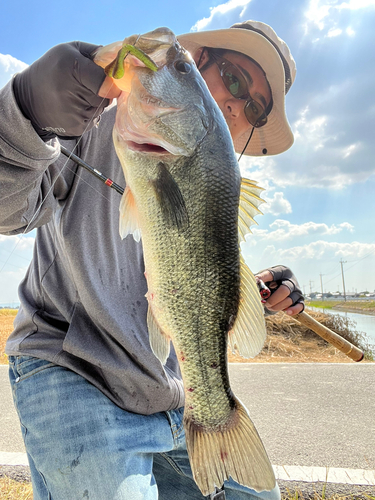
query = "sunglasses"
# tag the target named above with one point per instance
(236, 83)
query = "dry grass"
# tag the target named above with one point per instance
(6, 327)
(287, 340)
(298, 495)
(13, 490)
(290, 341)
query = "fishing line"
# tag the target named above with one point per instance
(55, 180)
(61, 171)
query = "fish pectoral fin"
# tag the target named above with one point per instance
(169, 196)
(248, 207)
(129, 216)
(160, 343)
(231, 450)
(249, 331)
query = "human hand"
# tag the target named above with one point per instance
(64, 92)
(286, 294)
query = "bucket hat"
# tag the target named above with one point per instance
(260, 42)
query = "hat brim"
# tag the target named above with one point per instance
(276, 136)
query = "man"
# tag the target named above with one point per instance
(101, 418)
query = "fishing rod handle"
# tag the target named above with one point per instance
(333, 338)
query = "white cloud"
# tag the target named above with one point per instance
(324, 250)
(319, 257)
(16, 244)
(276, 205)
(317, 12)
(254, 167)
(15, 256)
(282, 230)
(311, 130)
(323, 14)
(350, 149)
(356, 4)
(9, 65)
(325, 154)
(334, 32)
(223, 8)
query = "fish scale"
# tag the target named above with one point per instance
(182, 198)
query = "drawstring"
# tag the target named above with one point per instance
(247, 143)
(200, 71)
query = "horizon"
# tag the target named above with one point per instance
(319, 193)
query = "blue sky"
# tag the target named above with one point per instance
(320, 193)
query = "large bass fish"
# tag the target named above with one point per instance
(185, 199)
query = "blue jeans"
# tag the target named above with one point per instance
(80, 445)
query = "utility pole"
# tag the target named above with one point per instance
(321, 285)
(311, 283)
(343, 281)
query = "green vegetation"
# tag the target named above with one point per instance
(323, 304)
(8, 312)
(365, 305)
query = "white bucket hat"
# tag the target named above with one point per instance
(258, 41)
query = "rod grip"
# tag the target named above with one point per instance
(333, 338)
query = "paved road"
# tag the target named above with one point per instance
(307, 414)
(312, 414)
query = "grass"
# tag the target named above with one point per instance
(6, 327)
(287, 340)
(364, 306)
(324, 304)
(298, 495)
(13, 490)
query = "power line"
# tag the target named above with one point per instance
(343, 281)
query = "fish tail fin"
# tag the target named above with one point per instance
(234, 450)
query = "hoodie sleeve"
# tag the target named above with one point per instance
(29, 171)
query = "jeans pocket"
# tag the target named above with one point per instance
(26, 366)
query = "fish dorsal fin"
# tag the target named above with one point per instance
(160, 343)
(249, 331)
(248, 207)
(129, 216)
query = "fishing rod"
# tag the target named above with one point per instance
(107, 181)
(331, 337)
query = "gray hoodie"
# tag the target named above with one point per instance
(83, 302)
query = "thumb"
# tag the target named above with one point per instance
(109, 89)
(266, 276)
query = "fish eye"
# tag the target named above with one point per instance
(182, 67)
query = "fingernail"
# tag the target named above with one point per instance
(263, 301)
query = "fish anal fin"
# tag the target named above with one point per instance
(129, 216)
(248, 207)
(234, 450)
(249, 330)
(160, 343)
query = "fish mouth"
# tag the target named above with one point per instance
(147, 147)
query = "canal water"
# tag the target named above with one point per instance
(363, 322)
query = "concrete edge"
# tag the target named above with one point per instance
(365, 477)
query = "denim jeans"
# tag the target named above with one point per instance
(80, 445)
